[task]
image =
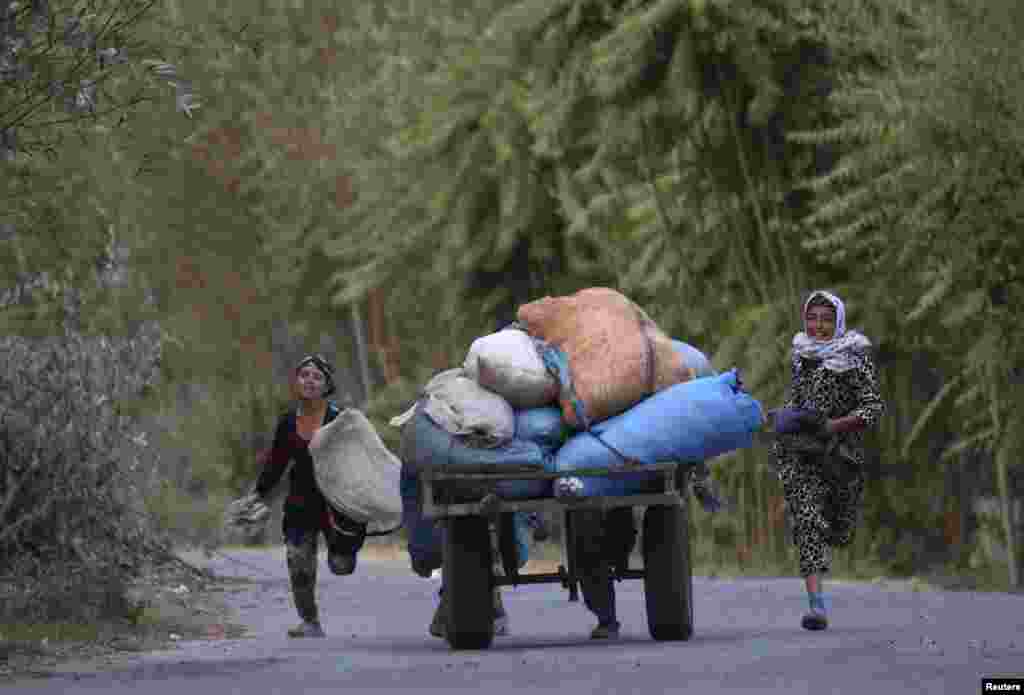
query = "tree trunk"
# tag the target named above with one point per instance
(380, 339)
(362, 353)
(1008, 509)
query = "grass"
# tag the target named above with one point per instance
(547, 556)
(24, 635)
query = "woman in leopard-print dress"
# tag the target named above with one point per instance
(834, 397)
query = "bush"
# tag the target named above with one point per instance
(73, 472)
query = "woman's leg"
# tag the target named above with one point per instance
(594, 567)
(301, 554)
(806, 494)
(345, 539)
(844, 508)
(604, 541)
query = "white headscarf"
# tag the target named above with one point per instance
(837, 353)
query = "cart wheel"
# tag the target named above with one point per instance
(668, 576)
(468, 583)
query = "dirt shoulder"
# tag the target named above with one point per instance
(171, 603)
(176, 602)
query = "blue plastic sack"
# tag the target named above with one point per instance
(689, 422)
(542, 426)
(523, 536)
(425, 443)
(425, 537)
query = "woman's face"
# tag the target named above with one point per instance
(820, 322)
(311, 382)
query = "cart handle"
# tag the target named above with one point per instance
(435, 472)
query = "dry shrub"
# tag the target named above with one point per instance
(73, 472)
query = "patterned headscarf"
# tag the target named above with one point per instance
(838, 352)
(324, 366)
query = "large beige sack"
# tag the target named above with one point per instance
(617, 355)
(507, 363)
(356, 473)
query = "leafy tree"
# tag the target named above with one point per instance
(74, 78)
(926, 197)
(691, 150)
(69, 66)
(458, 194)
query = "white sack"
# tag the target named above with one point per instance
(357, 474)
(507, 363)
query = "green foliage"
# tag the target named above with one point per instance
(716, 161)
(713, 160)
(67, 67)
(71, 477)
(932, 157)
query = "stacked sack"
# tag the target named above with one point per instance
(608, 353)
(583, 381)
(636, 394)
(497, 409)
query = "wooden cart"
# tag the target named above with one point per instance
(477, 524)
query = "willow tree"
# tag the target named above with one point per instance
(927, 197)
(691, 172)
(637, 144)
(297, 102)
(657, 146)
(642, 143)
(457, 196)
(226, 207)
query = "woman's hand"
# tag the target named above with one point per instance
(800, 421)
(248, 510)
(848, 423)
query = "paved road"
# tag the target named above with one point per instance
(885, 639)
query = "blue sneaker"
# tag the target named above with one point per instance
(816, 619)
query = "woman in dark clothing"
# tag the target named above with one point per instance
(604, 541)
(834, 398)
(306, 512)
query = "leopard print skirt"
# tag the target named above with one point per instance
(823, 511)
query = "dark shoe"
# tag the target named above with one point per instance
(438, 626)
(500, 616)
(307, 629)
(341, 564)
(423, 567)
(536, 522)
(814, 620)
(609, 631)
